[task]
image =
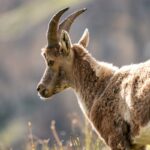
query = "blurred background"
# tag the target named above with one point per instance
(119, 34)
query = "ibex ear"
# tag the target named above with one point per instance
(84, 40)
(65, 42)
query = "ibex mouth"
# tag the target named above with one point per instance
(45, 94)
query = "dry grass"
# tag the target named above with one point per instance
(89, 141)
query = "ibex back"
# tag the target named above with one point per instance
(115, 101)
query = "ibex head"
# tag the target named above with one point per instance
(58, 55)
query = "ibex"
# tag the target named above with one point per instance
(116, 101)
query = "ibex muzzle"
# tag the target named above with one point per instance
(58, 55)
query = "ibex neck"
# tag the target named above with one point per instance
(90, 77)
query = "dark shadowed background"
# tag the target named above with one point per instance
(119, 34)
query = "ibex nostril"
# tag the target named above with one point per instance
(40, 87)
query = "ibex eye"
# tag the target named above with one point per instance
(50, 63)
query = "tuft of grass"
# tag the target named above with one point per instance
(53, 129)
(31, 136)
(88, 141)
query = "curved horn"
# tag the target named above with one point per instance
(66, 24)
(52, 28)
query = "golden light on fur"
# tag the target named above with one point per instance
(116, 101)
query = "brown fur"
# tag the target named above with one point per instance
(104, 97)
(115, 101)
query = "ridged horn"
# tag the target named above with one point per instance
(52, 28)
(66, 24)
